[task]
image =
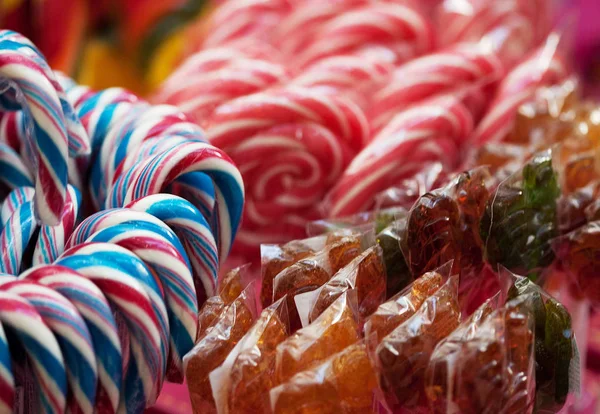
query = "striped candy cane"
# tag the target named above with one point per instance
(95, 310)
(42, 350)
(145, 241)
(72, 335)
(131, 288)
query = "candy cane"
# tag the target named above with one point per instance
(95, 310)
(72, 335)
(161, 256)
(130, 287)
(42, 350)
(7, 381)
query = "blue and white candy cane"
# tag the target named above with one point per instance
(131, 288)
(7, 380)
(95, 310)
(40, 345)
(21, 226)
(158, 172)
(194, 232)
(145, 240)
(13, 171)
(13, 201)
(50, 121)
(72, 335)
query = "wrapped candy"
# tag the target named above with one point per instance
(487, 364)
(313, 271)
(444, 225)
(578, 253)
(379, 218)
(402, 306)
(403, 355)
(391, 239)
(365, 274)
(241, 384)
(212, 349)
(556, 355)
(332, 331)
(231, 287)
(344, 383)
(520, 218)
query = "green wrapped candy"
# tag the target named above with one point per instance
(398, 273)
(554, 345)
(520, 219)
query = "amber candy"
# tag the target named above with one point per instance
(365, 273)
(577, 208)
(212, 349)
(331, 332)
(579, 252)
(312, 272)
(485, 366)
(230, 288)
(344, 383)
(444, 225)
(252, 374)
(403, 355)
(274, 260)
(402, 306)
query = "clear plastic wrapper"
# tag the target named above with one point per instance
(443, 225)
(365, 274)
(403, 355)
(487, 364)
(557, 370)
(378, 218)
(520, 218)
(344, 383)
(577, 208)
(579, 253)
(242, 383)
(404, 195)
(402, 306)
(313, 271)
(331, 332)
(212, 348)
(230, 287)
(398, 273)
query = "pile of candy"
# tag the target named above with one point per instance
(323, 106)
(95, 314)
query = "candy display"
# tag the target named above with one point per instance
(440, 156)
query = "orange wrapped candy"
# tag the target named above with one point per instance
(403, 355)
(212, 349)
(242, 383)
(344, 383)
(366, 274)
(404, 305)
(331, 332)
(230, 288)
(485, 366)
(312, 272)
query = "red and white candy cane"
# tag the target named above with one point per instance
(255, 19)
(399, 29)
(543, 67)
(431, 131)
(215, 76)
(310, 138)
(431, 75)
